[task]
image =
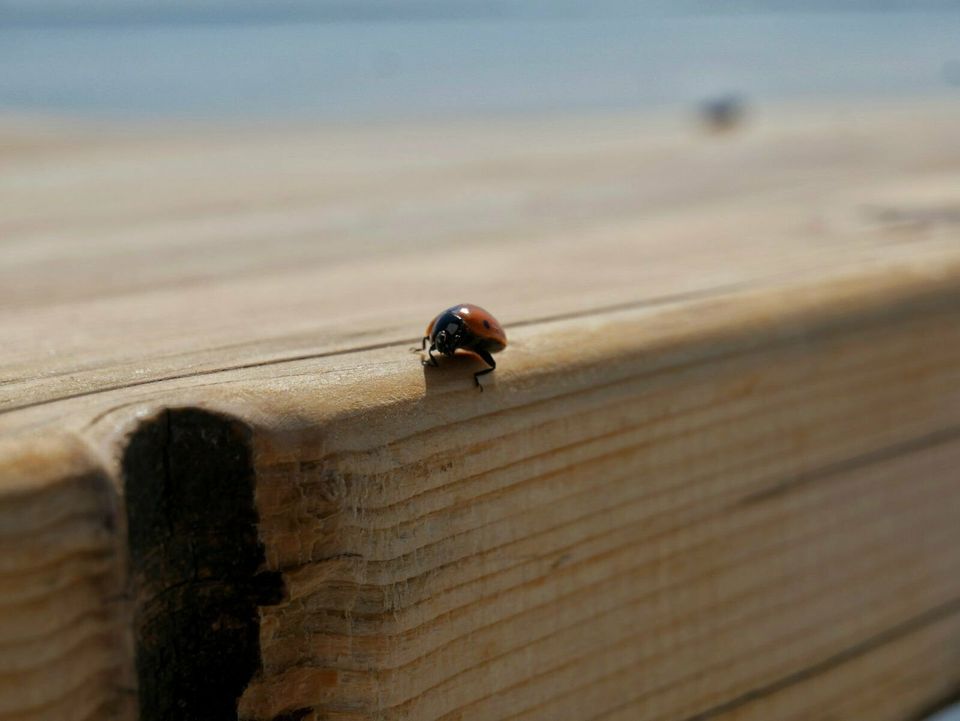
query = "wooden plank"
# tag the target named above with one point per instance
(460, 599)
(730, 395)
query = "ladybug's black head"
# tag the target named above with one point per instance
(448, 333)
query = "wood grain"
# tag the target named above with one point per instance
(63, 625)
(713, 477)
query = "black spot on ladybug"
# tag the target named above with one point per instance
(486, 324)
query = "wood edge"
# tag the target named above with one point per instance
(40, 476)
(551, 359)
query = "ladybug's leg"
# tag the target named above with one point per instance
(487, 358)
(423, 345)
(432, 361)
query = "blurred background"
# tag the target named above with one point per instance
(371, 59)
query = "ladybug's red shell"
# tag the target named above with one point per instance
(485, 330)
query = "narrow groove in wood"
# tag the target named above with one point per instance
(812, 475)
(919, 443)
(755, 554)
(632, 638)
(800, 633)
(839, 695)
(912, 625)
(626, 676)
(689, 431)
(624, 670)
(720, 510)
(650, 302)
(734, 600)
(786, 400)
(913, 445)
(674, 372)
(857, 378)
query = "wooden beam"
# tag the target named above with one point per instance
(713, 476)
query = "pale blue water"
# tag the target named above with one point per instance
(423, 64)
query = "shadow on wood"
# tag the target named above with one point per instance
(196, 564)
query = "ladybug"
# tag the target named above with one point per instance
(469, 327)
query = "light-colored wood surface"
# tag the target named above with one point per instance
(712, 477)
(158, 258)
